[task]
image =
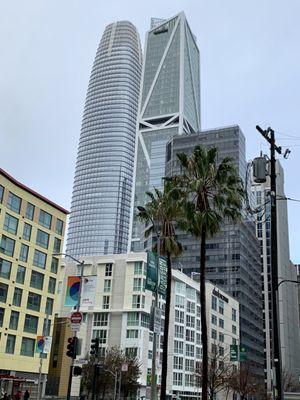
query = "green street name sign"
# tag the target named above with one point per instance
(233, 352)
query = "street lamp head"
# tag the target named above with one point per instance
(141, 209)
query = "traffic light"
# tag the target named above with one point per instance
(72, 344)
(94, 347)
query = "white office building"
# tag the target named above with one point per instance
(120, 316)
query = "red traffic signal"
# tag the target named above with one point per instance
(72, 344)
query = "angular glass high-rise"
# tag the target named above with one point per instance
(100, 211)
(169, 104)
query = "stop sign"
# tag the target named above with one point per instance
(76, 318)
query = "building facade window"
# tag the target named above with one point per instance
(145, 320)
(2, 312)
(51, 285)
(178, 362)
(105, 302)
(100, 319)
(138, 268)
(7, 246)
(45, 219)
(42, 239)
(213, 319)
(59, 226)
(221, 323)
(30, 211)
(14, 202)
(27, 347)
(214, 334)
(177, 378)
(14, 320)
(37, 280)
(107, 285)
(108, 269)
(137, 284)
(49, 306)
(178, 347)
(10, 344)
(39, 259)
(234, 314)
(179, 316)
(5, 268)
(214, 303)
(17, 299)
(3, 292)
(179, 332)
(101, 334)
(31, 323)
(190, 350)
(131, 351)
(1, 193)
(132, 333)
(24, 252)
(54, 265)
(221, 306)
(10, 224)
(138, 301)
(33, 301)
(133, 319)
(20, 274)
(234, 329)
(56, 245)
(27, 232)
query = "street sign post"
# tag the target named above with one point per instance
(243, 354)
(157, 320)
(76, 319)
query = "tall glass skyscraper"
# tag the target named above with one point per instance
(100, 211)
(169, 104)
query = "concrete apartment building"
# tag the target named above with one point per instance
(120, 317)
(232, 256)
(288, 292)
(31, 231)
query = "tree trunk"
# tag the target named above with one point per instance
(164, 370)
(203, 317)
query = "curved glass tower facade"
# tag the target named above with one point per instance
(100, 210)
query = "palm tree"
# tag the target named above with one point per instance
(211, 193)
(161, 211)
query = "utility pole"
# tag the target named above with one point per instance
(269, 135)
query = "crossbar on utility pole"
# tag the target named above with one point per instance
(269, 135)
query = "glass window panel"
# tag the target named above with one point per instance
(11, 224)
(20, 274)
(49, 306)
(27, 347)
(3, 292)
(14, 202)
(45, 219)
(37, 280)
(59, 226)
(42, 239)
(10, 344)
(57, 245)
(14, 320)
(34, 301)
(27, 232)
(7, 246)
(30, 211)
(24, 252)
(54, 265)
(5, 268)
(51, 285)
(17, 299)
(31, 323)
(2, 312)
(1, 193)
(39, 259)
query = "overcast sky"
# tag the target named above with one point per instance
(250, 74)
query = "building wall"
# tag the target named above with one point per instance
(169, 104)
(27, 282)
(121, 329)
(232, 255)
(100, 211)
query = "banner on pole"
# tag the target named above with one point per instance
(233, 352)
(88, 292)
(39, 344)
(72, 294)
(43, 344)
(151, 278)
(163, 278)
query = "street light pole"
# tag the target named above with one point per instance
(77, 309)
